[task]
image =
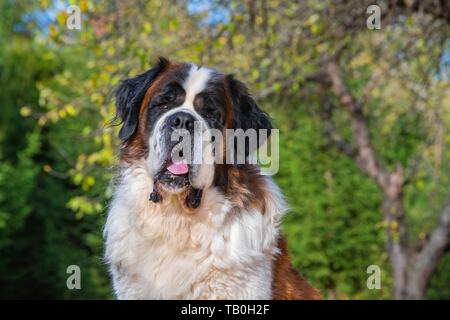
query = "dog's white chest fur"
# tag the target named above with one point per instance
(220, 252)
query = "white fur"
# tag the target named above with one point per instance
(157, 139)
(157, 251)
(195, 83)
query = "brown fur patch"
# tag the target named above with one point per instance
(136, 147)
(287, 282)
(246, 187)
(243, 185)
(228, 103)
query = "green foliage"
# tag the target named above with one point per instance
(39, 235)
(331, 198)
(17, 181)
(439, 288)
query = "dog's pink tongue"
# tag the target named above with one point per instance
(178, 168)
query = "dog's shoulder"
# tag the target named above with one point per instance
(288, 283)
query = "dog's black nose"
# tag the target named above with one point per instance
(182, 120)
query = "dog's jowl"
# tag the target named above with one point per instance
(184, 229)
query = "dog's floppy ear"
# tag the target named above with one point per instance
(247, 114)
(129, 96)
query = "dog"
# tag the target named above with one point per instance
(178, 230)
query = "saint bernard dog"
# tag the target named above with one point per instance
(177, 230)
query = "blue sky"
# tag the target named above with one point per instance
(216, 13)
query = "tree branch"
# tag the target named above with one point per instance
(366, 158)
(436, 246)
(439, 9)
(391, 183)
(412, 270)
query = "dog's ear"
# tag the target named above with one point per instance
(247, 114)
(129, 96)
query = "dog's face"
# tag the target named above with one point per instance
(172, 101)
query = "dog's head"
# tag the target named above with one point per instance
(161, 106)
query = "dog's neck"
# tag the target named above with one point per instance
(174, 252)
(135, 185)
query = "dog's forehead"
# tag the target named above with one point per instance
(197, 80)
(192, 77)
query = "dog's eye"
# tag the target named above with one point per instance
(161, 105)
(213, 115)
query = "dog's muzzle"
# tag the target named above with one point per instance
(176, 168)
(173, 154)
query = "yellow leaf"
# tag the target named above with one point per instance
(147, 27)
(25, 111)
(70, 109)
(61, 18)
(88, 182)
(394, 225)
(53, 31)
(62, 113)
(83, 5)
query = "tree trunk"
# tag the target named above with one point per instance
(411, 269)
(397, 239)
